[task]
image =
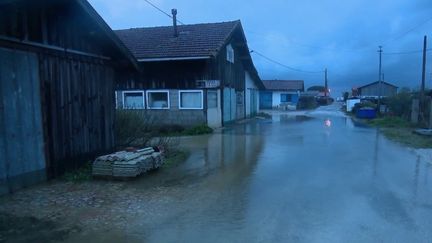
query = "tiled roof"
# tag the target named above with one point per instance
(284, 85)
(198, 40)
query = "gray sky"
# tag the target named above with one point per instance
(342, 35)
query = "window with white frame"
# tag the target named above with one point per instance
(158, 99)
(191, 99)
(230, 53)
(133, 99)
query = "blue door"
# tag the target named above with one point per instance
(266, 100)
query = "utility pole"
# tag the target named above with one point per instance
(326, 83)
(422, 89)
(380, 51)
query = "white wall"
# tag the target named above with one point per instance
(277, 97)
(250, 85)
(214, 115)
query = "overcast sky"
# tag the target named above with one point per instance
(342, 35)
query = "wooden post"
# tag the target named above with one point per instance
(415, 111)
(430, 113)
(422, 87)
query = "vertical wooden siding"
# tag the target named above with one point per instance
(79, 108)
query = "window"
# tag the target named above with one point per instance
(191, 99)
(133, 99)
(230, 54)
(158, 99)
(212, 99)
(286, 98)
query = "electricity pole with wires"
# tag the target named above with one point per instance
(325, 83)
(422, 89)
(380, 51)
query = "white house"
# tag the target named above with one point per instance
(280, 92)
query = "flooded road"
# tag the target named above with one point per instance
(313, 178)
(299, 177)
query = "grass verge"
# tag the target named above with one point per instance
(175, 158)
(80, 175)
(394, 122)
(406, 137)
(193, 131)
(400, 130)
(263, 115)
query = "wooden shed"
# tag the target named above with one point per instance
(58, 65)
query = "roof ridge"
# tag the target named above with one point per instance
(170, 26)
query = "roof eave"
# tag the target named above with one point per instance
(166, 59)
(109, 32)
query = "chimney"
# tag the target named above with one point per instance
(174, 15)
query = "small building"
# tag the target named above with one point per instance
(58, 63)
(278, 93)
(192, 74)
(373, 89)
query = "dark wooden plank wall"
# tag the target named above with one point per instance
(78, 107)
(232, 75)
(77, 91)
(56, 24)
(168, 75)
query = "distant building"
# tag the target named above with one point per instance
(280, 92)
(373, 89)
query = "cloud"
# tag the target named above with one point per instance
(307, 34)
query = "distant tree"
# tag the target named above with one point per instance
(345, 95)
(405, 90)
(354, 92)
(316, 88)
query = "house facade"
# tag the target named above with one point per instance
(192, 74)
(58, 63)
(278, 93)
(374, 89)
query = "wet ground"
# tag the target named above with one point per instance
(300, 177)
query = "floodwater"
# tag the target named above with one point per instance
(314, 177)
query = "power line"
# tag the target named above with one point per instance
(408, 31)
(162, 11)
(283, 65)
(405, 52)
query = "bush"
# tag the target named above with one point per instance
(198, 130)
(364, 104)
(307, 103)
(81, 174)
(400, 104)
(133, 128)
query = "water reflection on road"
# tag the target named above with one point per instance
(315, 177)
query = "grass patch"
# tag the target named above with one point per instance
(406, 137)
(175, 158)
(390, 122)
(198, 130)
(80, 175)
(401, 131)
(264, 115)
(193, 131)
